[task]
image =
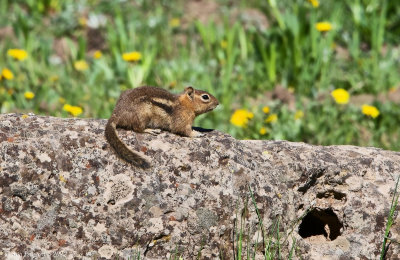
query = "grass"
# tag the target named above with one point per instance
(272, 243)
(390, 221)
(238, 56)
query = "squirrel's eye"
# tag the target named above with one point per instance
(205, 97)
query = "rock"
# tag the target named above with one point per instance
(64, 194)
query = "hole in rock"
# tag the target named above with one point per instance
(337, 195)
(320, 222)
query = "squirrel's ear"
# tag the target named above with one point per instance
(190, 92)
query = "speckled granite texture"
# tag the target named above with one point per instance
(65, 195)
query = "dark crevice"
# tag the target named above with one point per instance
(314, 174)
(337, 195)
(320, 222)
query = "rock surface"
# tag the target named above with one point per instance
(64, 194)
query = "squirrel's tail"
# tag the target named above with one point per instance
(121, 149)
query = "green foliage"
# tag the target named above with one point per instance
(390, 220)
(273, 242)
(237, 56)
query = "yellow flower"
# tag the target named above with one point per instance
(97, 54)
(174, 22)
(314, 3)
(17, 54)
(132, 56)
(224, 44)
(7, 74)
(370, 111)
(298, 115)
(67, 107)
(24, 116)
(241, 117)
(61, 100)
(29, 95)
(76, 111)
(266, 109)
(323, 26)
(341, 96)
(54, 78)
(81, 65)
(82, 21)
(263, 131)
(73, 110)
(272, 118)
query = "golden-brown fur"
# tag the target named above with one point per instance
(155, 108)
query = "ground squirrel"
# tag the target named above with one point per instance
(152, 109)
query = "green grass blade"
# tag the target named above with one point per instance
(390, 220)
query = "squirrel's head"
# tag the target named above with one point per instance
(200, 101)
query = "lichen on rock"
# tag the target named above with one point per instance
(65, 193)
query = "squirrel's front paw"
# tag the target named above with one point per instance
(196, 134)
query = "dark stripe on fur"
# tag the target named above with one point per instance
(168, 109)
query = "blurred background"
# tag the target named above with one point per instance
(321, 72)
